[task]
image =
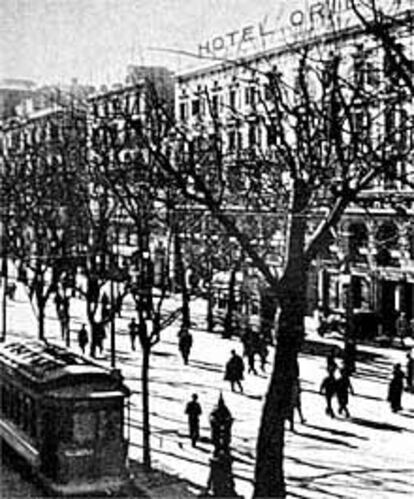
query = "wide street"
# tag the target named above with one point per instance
(369, 455)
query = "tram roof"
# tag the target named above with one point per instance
(45, 361)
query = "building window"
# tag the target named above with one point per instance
(195, 107)
(232, 140)
(214, 104)
(250, 95)
(252, 134)
(387, 239)
(239, 141)
(232, 98)
(183, 111)
(358, 239)
(271, 135)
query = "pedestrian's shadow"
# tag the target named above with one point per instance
(340, 433)
(407, 413)
(162, 354)
(327, 440)
(377, 425)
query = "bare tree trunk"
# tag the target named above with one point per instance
(94, 337)
(231, 305)
(146, 430)
(269, 472)
(181, 270)
(210, 314)
(41, 318)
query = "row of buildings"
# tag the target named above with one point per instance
(232, 101)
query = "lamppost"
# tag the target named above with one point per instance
(113, 274)
(221, 481)
(347, 281)
(349, 339)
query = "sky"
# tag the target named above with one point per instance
(52, 41)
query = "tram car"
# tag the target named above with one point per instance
(65, 415)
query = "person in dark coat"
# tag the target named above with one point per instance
(82, 338)
(331, 365)
(251, 347)
(100, 336)
(193, 411)
(185, 342)
(133, 332)
(402, 327)
(263, 353)
(343, 388)
(234, 371)
(395, 388)
(328, 388)
(295, 403)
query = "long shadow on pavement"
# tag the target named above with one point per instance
(341, 433)
(377, 425)
(327, 440)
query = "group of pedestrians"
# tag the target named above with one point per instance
(339, 386)
(254, 344)
(97, 338)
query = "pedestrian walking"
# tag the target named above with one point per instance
(402, 327)
(11, 290)
(83, 338)
(331, 365)
(234, 371)
(250, 342)
(343, 388)
(133, 332)
(328, 388)
(410, 371)
(100, 336)
(395, 388)
(185, 342)
(193, 411)
(263, 353)
(295, 403)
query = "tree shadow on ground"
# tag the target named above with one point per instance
(366, 480)
(207, 366)
(407, 413)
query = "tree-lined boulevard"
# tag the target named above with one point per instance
(368, 455)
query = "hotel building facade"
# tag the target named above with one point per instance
(230, 95)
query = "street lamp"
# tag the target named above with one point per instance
(349, 339)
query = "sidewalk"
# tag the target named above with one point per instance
(21, 323)
(157, 484)
(369, 455)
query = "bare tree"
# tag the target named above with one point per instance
(326, 148)
(122, 166)
(43, 226)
